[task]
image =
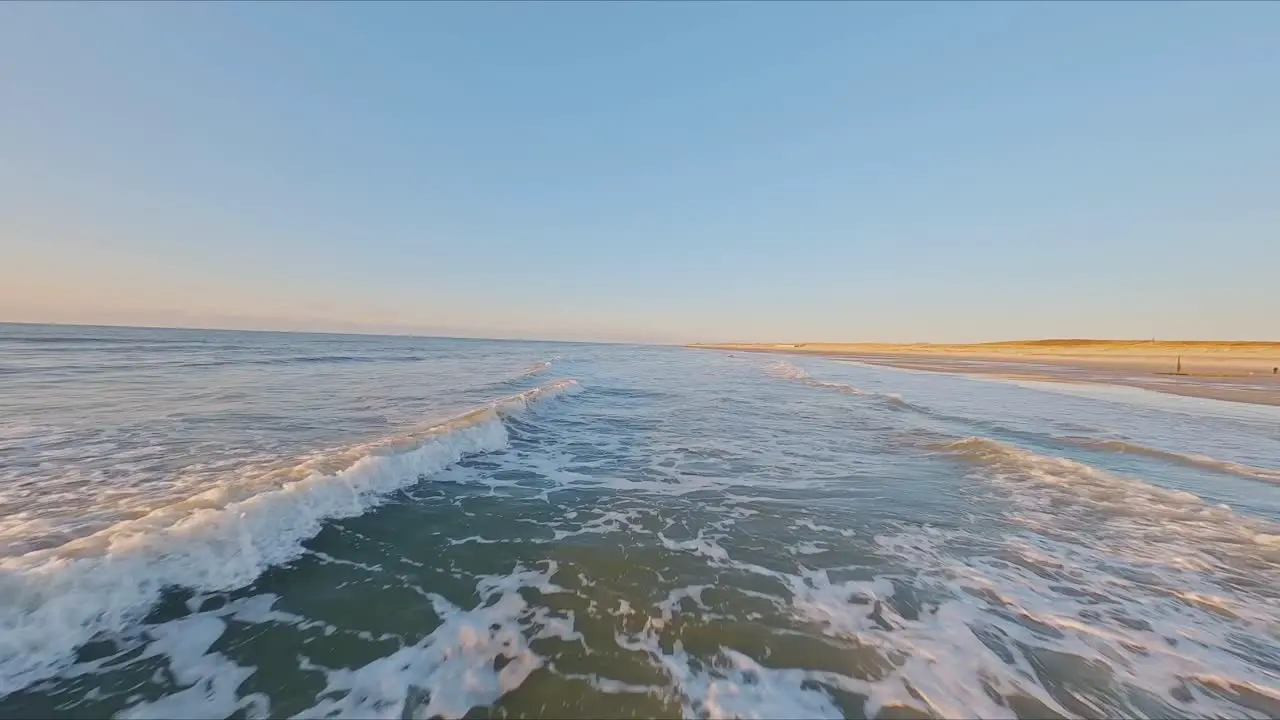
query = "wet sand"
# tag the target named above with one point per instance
(1237, 372)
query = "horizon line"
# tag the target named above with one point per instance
(355, 333)
(426, 335)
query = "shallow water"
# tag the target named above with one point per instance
(212, 524)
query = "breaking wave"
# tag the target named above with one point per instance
(53, 601)
(787, 371)
(1192, 460)
(1154, 525)
(535, 369)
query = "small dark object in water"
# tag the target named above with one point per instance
(877, 614)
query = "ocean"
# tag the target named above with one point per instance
(208, 524)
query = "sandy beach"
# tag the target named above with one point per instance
(1234, 371)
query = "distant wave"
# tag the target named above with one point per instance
(69, 340)
(534, 369)
(1200, 461)
(1123, 447)
(1041, 482)
(787, 371)
(53, 601)
(1116, 493)
(994, 452)
(307, 359)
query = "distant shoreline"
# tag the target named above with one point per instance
(1241, 371)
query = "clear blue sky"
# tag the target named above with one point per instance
(649, 171)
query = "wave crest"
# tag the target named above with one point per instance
(1192, 460)
(1156, 525)
(52, 601)
(787, 371)
(533, 370)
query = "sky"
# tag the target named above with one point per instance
(656, 172)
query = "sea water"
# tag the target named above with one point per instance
(233, 524)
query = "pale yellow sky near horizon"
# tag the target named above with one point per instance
(62, 272)
(87, 283)
(216, 319)
(1046, 170)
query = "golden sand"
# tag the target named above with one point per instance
(1238, 371)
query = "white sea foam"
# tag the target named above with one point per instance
(1001, 620)
(609, 521)
(811, 525)
(1148, 589)
(806, 548)
(613, 687)
(552, 469)
(700, 545)
(452, 669)
(732, 685)
(52, 601)
(210, 680)
(735, 686)
(1039, 602)
(1117, 583)
(935, 665)
(207, 684)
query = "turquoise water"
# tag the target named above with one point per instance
(225, 524)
